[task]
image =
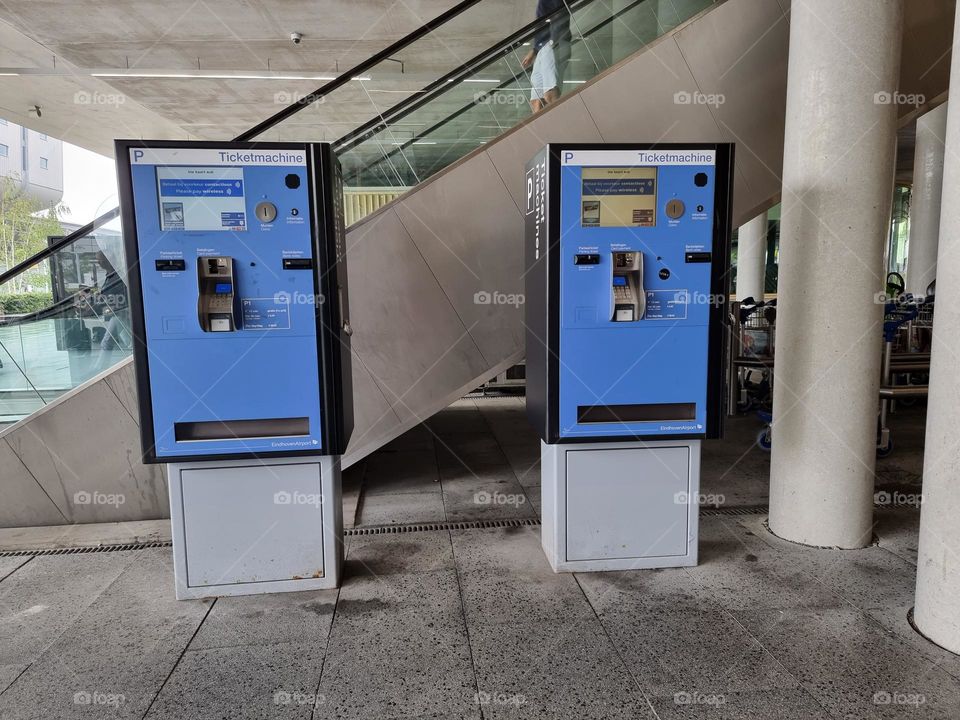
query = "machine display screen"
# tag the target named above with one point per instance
(618, 197)
(201, 199)
(620, 281)
(223, 288)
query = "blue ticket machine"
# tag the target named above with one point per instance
(627, 259)
(237, 282)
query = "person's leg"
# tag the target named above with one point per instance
(110, 342)
(536, 84)
(548, 74)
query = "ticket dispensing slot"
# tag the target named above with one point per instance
(216, 305)
(628, 295)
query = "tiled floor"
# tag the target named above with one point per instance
(473, 624)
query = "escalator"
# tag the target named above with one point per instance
(435, 196)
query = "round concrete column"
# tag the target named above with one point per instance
(937, 610)
(752, 258)
(925, 200)
(838, 171)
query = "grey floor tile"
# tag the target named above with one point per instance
(505, 579)
(399, 674)
(265, 619)
(740, 571)
(403, 553)
(402, 508)
(398, 648)
(8, 565)
(533, 495)
(486, 500)
(369, 601)
(897, 531)
(673, 587)
(460, 418)
(671, 650)
(464, 456)
(852, 666)
(734, 467)
(894, 620)
(870, 577)
(266, 681)
(416, 438)
(9, 673)
(553, 669)
(46, 596)
(403, 471)
(788, 704)
(525, 462)
(117, 653)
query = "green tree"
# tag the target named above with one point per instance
(24, 228)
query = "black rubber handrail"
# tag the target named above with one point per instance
(58, 245)
(356, 71)
(418, 100)
(271, 121)
(414, 103)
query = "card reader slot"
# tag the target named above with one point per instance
(643, 412)
(234, 429)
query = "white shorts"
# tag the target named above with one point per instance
(544, 75)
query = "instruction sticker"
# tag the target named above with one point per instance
(666, 305)
(618, 197)
(266, 313)
(201, 198)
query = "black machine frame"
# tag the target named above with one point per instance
(542, 299)
(329, 278)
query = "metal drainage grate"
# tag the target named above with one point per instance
(86, 550)
(433, 527)
(734, 511)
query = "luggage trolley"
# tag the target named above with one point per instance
(751, 365)
(904, 319)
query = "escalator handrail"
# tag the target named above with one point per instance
(292, 109)
(356, 71)
(51, 249)
(417, 100)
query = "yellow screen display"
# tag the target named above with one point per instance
(618, 197)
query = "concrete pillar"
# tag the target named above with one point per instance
(925, 200)
(752, 258)
(838, 170)
(937, 609)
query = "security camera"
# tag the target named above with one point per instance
(296, 38)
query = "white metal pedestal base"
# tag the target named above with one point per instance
(620, 506)
(242, 527)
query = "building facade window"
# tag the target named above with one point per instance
(4, 150)
(43, 163)
(43, 136)
(3, 122)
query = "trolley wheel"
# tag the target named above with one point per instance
(883, 452)
(764, 440)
